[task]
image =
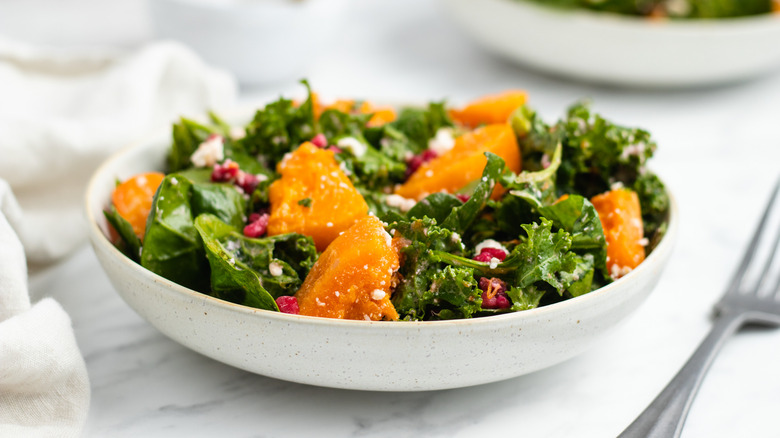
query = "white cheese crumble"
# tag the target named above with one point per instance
(353, 145)
(442, 142)
(398, 201)
(237, 133)
(494, 262)
(489, 243)
(329, 224)
(174, 181)
(619, 271)
(428, 173)
(275, 269)
(377, 294)
(209, 153)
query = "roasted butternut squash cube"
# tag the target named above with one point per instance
(313, 197)
(353, 277)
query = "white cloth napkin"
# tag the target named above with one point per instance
(61, 114)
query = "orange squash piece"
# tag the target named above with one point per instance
(464, 163)
(494, 108)
(353, 277)
(133, 199)
(621, 218)
(382, 114)
(312, 176)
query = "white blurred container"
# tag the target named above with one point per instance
(260, 41)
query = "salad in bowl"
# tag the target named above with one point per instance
(352, 210)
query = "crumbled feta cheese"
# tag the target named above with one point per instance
(353, 145)
(442, 141)
(377, 294)
(619, 271)
(275, 269)
(337, 294)
(643, 241)
(209, 153)
(343, 185)
(489, 243)
(329, 224)
(428, 173)
(398, 201)
(494, 262)
(319, 303)
(617, 185)
(261, 177)
(237, 133)
(174, 181)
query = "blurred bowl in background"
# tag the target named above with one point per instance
(259, 41)
(621, 49)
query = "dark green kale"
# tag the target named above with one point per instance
(279, 128)
(254, 272)
(598, 153)
(419, 125)
(367, 166)
(306, 202)
(542, 262)
(421, 238)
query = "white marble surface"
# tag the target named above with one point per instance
(719, 152)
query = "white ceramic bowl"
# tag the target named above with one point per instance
(384, 355)
(621, 49)
(259, 41)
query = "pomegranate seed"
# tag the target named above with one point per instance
(247, 182)
(320, 141)
(227, 171)
(253, 217)
(488, 253)
(494, 293)
(258, 227)
(335, 150)
(418, 160)
(287, 304)
(462, 197)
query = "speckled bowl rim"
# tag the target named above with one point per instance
(99, 238)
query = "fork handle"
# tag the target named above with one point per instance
(665, 416)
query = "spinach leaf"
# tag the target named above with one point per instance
(221, 200)
(187, 136)
(172, 247)
(129, 243)
(274, 265)
(279, 128)
(231, 278)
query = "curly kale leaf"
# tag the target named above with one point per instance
(420, 238)
(279, 128)
(541, 262)
(453, 294)
(598, 153)
(419, 125)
